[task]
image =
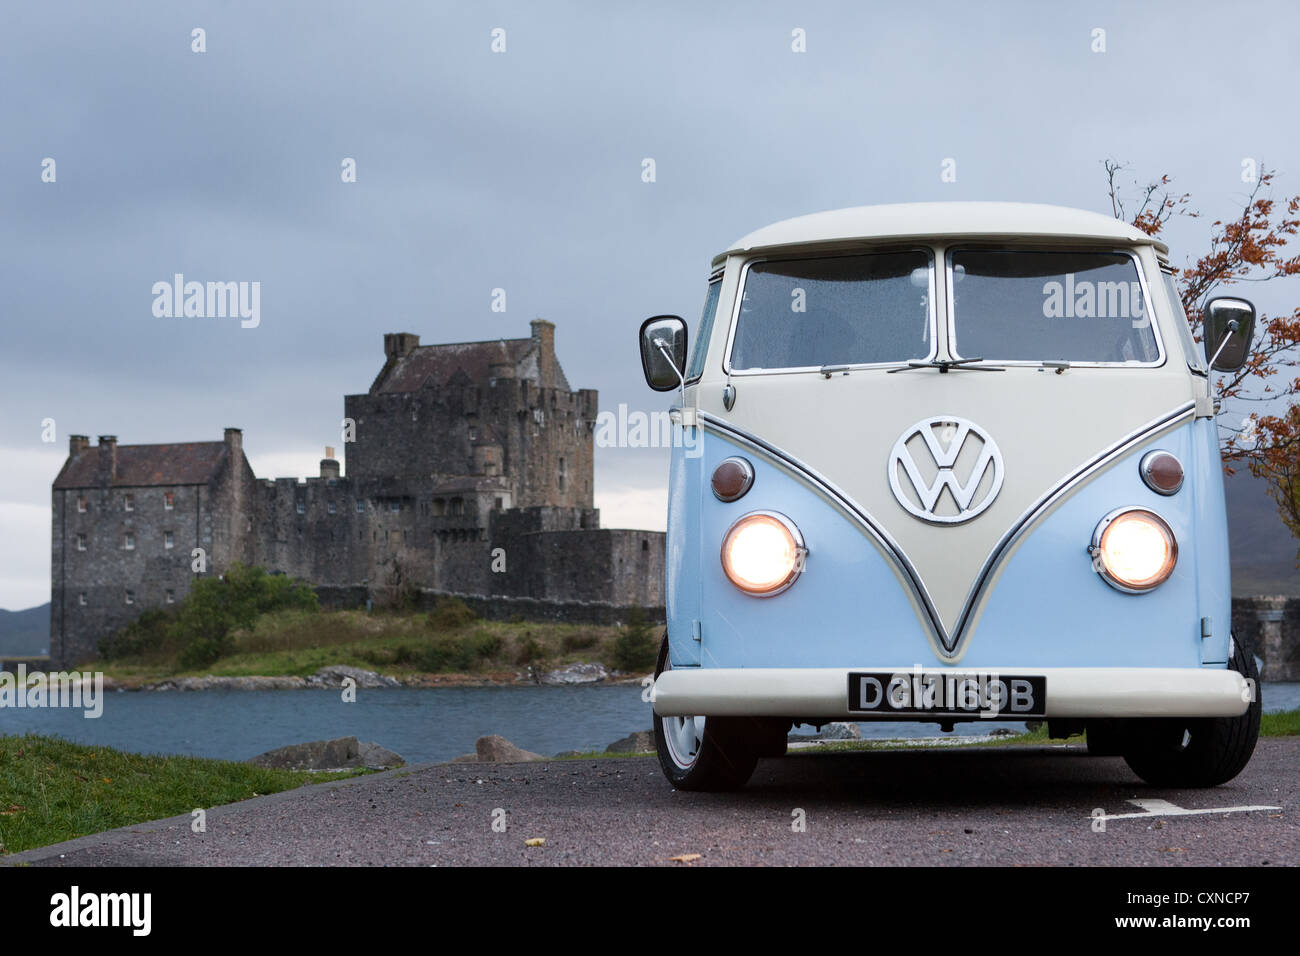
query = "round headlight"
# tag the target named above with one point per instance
(1134, 549)
(763, 553)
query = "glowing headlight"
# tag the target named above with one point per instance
(1133, 549)
(763, 553)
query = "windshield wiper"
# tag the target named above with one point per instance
(945, 365)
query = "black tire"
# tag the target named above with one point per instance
(726, 754)
(1200, 751)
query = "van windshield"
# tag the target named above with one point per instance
(834, 310)
(1036, 306)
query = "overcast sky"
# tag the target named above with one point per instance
(522, 171)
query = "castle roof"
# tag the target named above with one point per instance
(427, 366)
(186, 463)
(436, 364)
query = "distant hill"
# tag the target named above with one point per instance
(25, 633)
(1263, 549)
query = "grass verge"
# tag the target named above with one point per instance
(1285, 723)
(53, 790)
(403, 645)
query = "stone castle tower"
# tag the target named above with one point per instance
(461, 458)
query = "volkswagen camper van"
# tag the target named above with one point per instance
(954, 463)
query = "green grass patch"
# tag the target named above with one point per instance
(53, 790)
(603, 755)
(1285, 723)
(298, 642)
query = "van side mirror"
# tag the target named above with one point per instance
(663, 351)
(1229, 328)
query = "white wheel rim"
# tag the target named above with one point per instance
(684, 736)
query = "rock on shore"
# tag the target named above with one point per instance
(341, 753)
(326, 677)
(836, 730)
(576, 674)
(643, 741)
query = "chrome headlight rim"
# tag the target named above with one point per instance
(1099, 563)
(800, 549)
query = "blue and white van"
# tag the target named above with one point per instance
(949, 462)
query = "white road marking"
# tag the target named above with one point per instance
(1163, 808)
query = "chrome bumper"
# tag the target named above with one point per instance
(1071, 691)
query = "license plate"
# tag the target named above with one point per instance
(973, 694)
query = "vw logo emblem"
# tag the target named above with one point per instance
(945, 454)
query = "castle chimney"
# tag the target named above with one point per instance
(77, 444)
(398, 345)
(106, 465)
(329, 467)
(234, 438)
(544, 337)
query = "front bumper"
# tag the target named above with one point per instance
(1071, 692)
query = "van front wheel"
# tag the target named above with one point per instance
(702, 753)
(1196, 752)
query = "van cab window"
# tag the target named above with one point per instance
(1195, 360)
(1035, 306)
(696, 365)
(834, 310)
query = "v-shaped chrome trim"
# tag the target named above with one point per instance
(950, 642)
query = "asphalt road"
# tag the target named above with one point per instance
(1010, 805)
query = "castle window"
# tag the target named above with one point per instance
(645, 545)
(81, 504)
(440, 506)
(473, 433)
(81, 542)
(561, 474)
(458, 506)
(169, 540)
(81, 598)
(395, 506)
(128, 541)
(128, 503)
(130, 597)
(497, 503)
(361, 506)
(171, 596)
(169, 500)
(302, 507)
(330, 508)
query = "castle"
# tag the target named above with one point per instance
(469, 471)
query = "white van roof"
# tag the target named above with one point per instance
(927, 220)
